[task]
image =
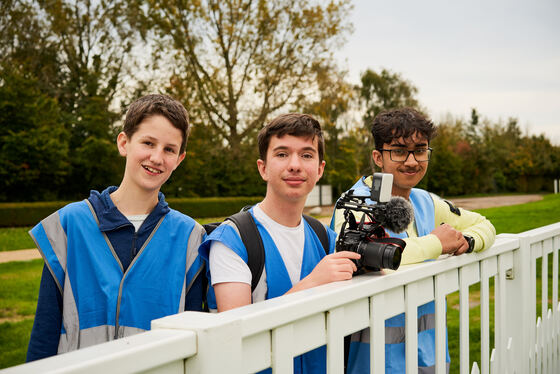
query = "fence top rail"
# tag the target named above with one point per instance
(130, 354)
(541, 233)
(269, 314)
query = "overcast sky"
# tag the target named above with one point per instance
(501, 57)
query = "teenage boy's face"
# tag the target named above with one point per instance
(152, 153)
(406, 174)
(292, 167)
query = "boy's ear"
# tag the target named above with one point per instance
(321, 169)
(377, 158)
(122, 141)
(180, 159)
(261, 165)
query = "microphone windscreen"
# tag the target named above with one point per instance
(398, 214)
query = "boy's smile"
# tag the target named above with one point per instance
(152, 170)
(408, 173)
(292, 167)
(152, 153)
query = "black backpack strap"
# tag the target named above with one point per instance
(320, 231)
(253, 243)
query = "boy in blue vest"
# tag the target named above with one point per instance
(402, 148)
(291, 162)
(122, 257)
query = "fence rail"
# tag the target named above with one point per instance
(271, 333)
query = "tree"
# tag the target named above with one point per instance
(76, 53)
(33, 143)
(332, 102)
(445, 175)
(243, 59)
(385, 90)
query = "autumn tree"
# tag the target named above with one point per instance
(246, 59)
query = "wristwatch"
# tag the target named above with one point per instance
(470, 241)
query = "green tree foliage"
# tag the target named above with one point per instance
(485, 157)
(331, 103)
(444, 172)
(379, 92)
(75, 54)
(68, 70)
(385, 90)
(33, 143)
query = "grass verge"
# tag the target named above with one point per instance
(518, 218)
(18, 300)
(14, 238)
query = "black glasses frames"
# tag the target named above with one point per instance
(401, 155)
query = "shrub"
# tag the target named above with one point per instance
(29, 214)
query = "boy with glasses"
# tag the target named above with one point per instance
(402, 148)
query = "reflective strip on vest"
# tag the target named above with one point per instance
(396, 334)
(100, 303)
(50, 239)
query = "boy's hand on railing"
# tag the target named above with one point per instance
(335, 267)
(452, 240)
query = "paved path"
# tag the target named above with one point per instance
(21, 255)
(467, 203)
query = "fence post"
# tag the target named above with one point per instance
(519, 325)
(219, 341)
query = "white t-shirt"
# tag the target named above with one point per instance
(137, 220)
(227, 266)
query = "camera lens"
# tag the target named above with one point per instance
(379, 255)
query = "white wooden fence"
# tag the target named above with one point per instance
(271, 333)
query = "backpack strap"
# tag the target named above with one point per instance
(253, 243)
(320, 231)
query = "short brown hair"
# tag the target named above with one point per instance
(295, 124)
(157, 104)
(400, 122)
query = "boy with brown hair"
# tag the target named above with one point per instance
(291, 162)
(122, 257)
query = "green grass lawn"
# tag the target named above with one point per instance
(18, 299)
(518, 218)
(13, 238)
(20, 283)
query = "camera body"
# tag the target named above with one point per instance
(368, 237)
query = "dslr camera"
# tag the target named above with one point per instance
(367, 236)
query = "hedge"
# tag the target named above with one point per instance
(29, 214)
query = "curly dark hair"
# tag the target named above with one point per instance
(400, 122)
(295, 124)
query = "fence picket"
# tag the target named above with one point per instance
(475, 369)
